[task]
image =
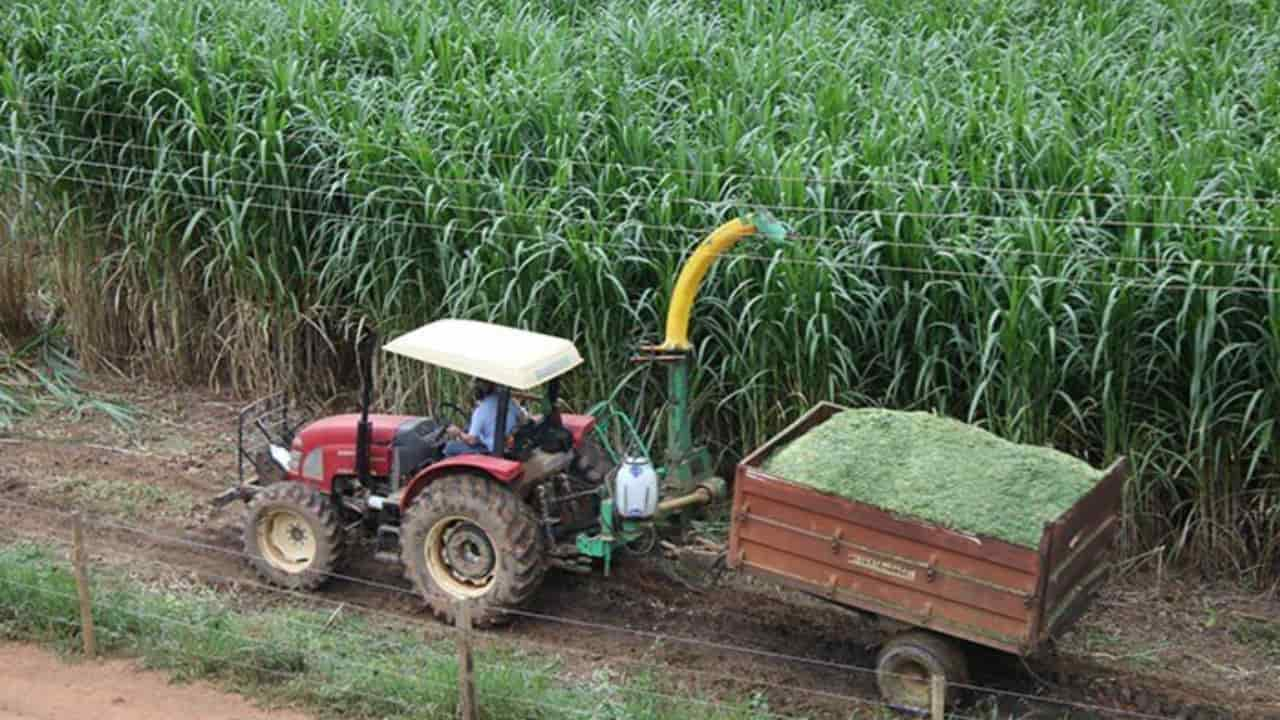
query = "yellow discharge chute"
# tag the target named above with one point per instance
(691, 275)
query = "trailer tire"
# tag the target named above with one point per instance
(906, 663)
(469, 538)
(291, 536)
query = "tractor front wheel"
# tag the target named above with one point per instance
(469, 538)
(292, 536)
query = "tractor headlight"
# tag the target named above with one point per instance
(281, 456)
(295, 460)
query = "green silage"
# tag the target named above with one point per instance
(939, 470)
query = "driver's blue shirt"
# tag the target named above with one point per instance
(485, 417)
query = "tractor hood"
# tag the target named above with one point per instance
(341, 429)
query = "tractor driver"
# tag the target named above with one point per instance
(478, 438)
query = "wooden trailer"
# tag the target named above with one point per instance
(936, 590)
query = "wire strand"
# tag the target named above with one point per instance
(875, 214)
(648, 635)
(690, 172)
(504, 184)
(1164, 286)
(527, 674)
(394, 672)
(442, 204)
(404, 624)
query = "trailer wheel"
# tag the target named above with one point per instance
(907, 662)
(291, 536)
(469, 538)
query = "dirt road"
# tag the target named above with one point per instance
(36, 685)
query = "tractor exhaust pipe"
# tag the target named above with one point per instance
(363, 429)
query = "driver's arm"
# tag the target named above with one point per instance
(466, 437)
(479, 424)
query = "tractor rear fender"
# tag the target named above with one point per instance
(578, 425)
(504, 471)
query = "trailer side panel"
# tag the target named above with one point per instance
(1080, 540)
(861, 556)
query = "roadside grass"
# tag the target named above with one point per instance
(345, 666)
(1103, 644)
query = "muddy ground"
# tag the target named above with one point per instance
(1161, 644)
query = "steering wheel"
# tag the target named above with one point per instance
(463, 417)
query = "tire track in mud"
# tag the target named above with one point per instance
(639, 597)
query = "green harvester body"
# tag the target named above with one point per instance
(686, 477)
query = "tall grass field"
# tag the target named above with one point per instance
(1058, 220)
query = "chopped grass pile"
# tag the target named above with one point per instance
(939, 470)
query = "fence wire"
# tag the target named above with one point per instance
(61, 517)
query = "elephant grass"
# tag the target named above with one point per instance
(1058, 218)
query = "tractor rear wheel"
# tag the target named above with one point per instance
(292, 536)
(907, 662)
(468, 538)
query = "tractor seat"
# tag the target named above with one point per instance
(412, 447)
(547, 435)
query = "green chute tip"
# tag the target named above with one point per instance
(766, 224)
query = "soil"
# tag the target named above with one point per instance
(37, 685)
(1144, 646)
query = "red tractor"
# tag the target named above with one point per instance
(478, 526)
(481, 526)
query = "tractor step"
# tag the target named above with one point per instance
(387, 550)
(566, 556)
(580, 564)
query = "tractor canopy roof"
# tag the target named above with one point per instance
(519, 359)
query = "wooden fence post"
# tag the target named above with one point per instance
(938, 696)
(79, 567)
(466, 669)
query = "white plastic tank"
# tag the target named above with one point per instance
(636, 489)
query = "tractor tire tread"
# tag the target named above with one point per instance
(512, 527)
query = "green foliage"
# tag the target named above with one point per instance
(939, 470)
(41, 373)
(1054, 219)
